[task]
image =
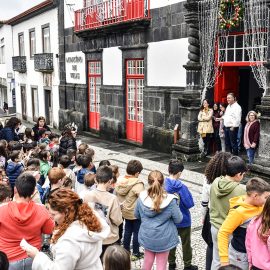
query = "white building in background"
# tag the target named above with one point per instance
(35, 62)
(7, 91)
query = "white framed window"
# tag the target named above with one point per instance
(21, 44)
(46, 39)
(232, 48)
(35, 103)
(2, 51)
(32, 43)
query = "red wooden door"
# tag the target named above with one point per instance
(94, 83)
(134, 98)
(227, 82)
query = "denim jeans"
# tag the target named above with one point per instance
(251, 154)
(25, 264)
(132, 227)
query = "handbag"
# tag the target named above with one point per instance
(206, 229)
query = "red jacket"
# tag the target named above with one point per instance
(22, 220)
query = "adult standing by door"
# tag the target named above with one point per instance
(205, 127)
(232, 120)
(251, 135)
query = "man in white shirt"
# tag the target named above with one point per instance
(232, 121)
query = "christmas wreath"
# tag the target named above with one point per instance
(236, 16)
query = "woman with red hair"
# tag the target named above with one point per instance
(77, 240)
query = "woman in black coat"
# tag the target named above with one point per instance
(8, 132)
(68, 140)
(41, 124)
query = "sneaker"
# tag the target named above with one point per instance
(136, 257)
(191, 267)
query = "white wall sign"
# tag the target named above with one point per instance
(75, 68)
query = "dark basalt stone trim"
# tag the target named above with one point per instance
(134, 47)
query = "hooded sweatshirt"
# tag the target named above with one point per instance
(222, 190)
(108, 205)
(26, 220)
(158, 232)
(236, 223)
(176, 186)
(127, 191)
(77, 249)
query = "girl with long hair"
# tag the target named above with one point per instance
(158, 212)
(41, 124)
(205, 126)
(216, 167)
(68, 140)
(77, 239)
(258, 240)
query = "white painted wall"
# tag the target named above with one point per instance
(162, 3)
(69, 7)
(32, 77)
(112, 66)
(165, 60)
(6, 33)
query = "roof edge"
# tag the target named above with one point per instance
(29, 12)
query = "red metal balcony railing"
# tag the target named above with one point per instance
(102, 13)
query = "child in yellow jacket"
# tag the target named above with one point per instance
(242, 210)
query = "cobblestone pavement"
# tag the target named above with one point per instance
(194, 182)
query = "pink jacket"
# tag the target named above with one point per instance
(257, 250)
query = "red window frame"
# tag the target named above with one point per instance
(134, 99)
(94, 83)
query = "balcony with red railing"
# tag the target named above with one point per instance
(105, 15)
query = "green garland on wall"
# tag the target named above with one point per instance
(237, 14)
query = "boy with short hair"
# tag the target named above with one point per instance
(127, 190)
(86, 162)
(222, 190)
(106, 203)
(242, 210)
(56, 177)
(174, 185)
(44, 136)
(65, 161)
(5, 193)
(14, 168)
(89, 184)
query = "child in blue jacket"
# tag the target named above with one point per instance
(14, 168)
(174, 185)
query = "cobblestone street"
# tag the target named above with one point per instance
(194, 182)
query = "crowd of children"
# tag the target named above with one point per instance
(236, 214)
(50, 189)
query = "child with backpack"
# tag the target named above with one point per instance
(158, 212)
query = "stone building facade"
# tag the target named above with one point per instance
(161, 42)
